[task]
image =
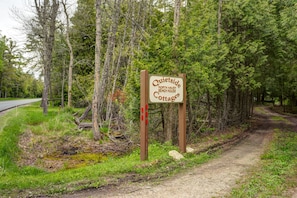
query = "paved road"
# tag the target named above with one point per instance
(4, 105)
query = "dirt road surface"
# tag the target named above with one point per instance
(213, 179)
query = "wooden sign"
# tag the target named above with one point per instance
(161, 89)
(165, 89)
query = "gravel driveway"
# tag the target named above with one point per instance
(214, 179)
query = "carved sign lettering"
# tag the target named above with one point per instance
(165, 89)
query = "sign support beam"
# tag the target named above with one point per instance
(182, 118)
(144, 115)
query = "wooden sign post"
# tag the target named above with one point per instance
(143, 115)
(182, 118)
(161, 89)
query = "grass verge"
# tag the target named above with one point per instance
(5, 99)
(31, 181)
(277, 171)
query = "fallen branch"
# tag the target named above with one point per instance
(85, 125)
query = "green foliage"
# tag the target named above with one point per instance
(10, 131)
(281, 51)
(202, 56)
(248, 24)
(2, 50)
(14, 82)
(250, 52)
(82, 36)
(11, 128)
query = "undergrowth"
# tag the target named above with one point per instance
(31, 181)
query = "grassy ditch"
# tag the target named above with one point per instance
(30, 180)
(277, 171)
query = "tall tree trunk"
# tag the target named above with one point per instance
(116, 72)
(63, 84)
(95, 102)
(169, 110)
(176, 25)
(47, 15)
(209, 116)
(222, 103)
(220, 21)
(137, 16)
(103, 83)
(71, 57)
(132, 40)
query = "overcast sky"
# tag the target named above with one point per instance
(8, 23)
(9, 26)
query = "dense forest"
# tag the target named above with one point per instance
(234, 53)
(14, 81)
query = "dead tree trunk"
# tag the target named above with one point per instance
(95, 102)
(169, 122)
(46, 17)
(63, 84)
(103, 83)
(118, 63)
(71, 58)
(132, 40)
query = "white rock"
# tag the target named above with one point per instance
(175, 155)
(190, 150)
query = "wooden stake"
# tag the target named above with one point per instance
(182, 118)
(144, 115)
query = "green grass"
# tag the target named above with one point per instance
(11, 125)
(277, 169)
(5, 99)
(278, 118)
(15, 180)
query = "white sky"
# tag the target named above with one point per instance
(9, 26)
